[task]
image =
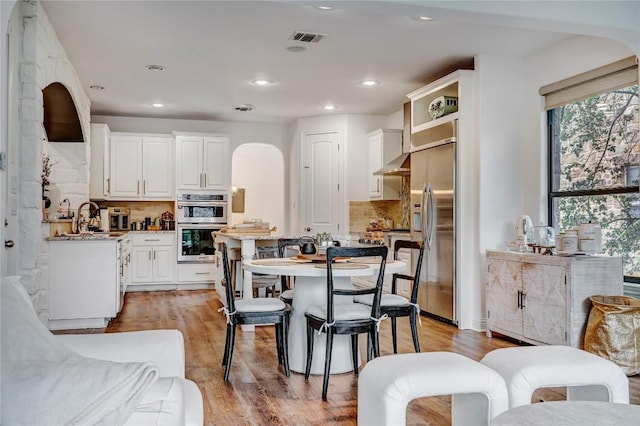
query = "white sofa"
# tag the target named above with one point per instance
(137, 377)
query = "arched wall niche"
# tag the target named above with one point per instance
(61, 121)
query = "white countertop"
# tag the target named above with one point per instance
(113, 236)
(248, 236)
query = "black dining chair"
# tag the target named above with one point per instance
(253, 311)
(396, 306)
(286, 292)
(346, 318)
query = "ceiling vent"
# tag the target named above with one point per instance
(244, 107)
(306, 37)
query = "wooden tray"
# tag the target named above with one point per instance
(320, 258)
(345, 266)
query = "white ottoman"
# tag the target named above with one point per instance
(387, 384)
(586, 376)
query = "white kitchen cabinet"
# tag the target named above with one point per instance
(202, 162)
(99, 166)
(84, 283)
(384, 146)
(198, 273)
(403, 287)
(157, 167)
(153, 258)
(141, 167)
(124, 264)
(545, 299)
(425, 130)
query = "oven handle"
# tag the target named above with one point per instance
(212, 226)
(201, 204)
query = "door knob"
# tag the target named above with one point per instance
(8, 243)
(308, 229)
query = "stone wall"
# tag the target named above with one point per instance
(43, 61)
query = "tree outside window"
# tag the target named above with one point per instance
(595, 169)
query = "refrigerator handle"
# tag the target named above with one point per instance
(423, 214)
(427, 213)
(432, 214)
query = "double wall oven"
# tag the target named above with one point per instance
(197, 216)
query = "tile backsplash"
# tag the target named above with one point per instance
(142, 209)
(362, 212)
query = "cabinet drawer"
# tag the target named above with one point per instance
(152, 239)
(196, 272)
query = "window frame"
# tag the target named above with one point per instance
(552, 195)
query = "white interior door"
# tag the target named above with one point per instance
(322, 183)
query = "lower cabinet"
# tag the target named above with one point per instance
(545, 299)
(403, 286)
(189, 273)
(153, 259)
(84, 283)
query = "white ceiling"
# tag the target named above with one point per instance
(212, 50)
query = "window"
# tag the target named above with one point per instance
(594, 163)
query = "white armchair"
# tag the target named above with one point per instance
(137, 377)
(172, 399)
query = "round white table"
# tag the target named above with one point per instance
(570, 413)
(311, 289)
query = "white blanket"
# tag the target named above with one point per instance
(44, 383)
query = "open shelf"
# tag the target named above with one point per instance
(422, 98)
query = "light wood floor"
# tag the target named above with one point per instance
(259, 393)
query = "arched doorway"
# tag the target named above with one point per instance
(259, 169)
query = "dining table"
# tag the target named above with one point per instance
(311, 289)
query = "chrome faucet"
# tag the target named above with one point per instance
(83, 226)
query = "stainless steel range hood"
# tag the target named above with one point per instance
(399, 166)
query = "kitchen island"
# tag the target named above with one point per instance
(87, 275)
(247, 243)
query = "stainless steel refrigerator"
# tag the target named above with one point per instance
(433, 213)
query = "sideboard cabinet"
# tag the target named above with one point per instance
(545, 299)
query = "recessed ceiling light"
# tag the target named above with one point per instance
(155, 67)
(296, 49)
(323, 7)
(369, 83)
(96, 87)
(262, 82)
(158, 105)
(329, 107)
(424, 18)
(244, 107)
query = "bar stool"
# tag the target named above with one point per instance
(235, 257)
(586, 376)
(387, 384)
(267, 282)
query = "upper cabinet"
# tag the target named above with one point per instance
(99, 166)
(202, 162)
(140, 167)
(436, 107)
(157, 167)
(384, 146)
